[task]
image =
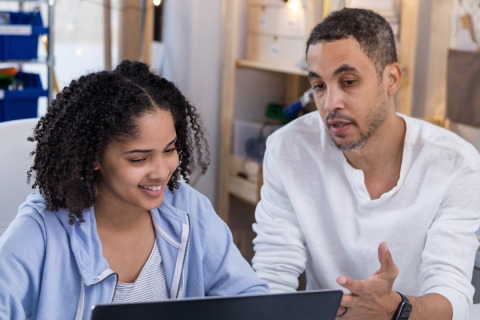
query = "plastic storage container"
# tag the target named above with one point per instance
(251, 135)
(22, 104)
(19, 38)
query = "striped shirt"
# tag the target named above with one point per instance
(150, 285)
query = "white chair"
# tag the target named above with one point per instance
(15, 161)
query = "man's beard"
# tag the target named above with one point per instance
(374, 119)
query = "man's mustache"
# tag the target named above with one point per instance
(338, 116)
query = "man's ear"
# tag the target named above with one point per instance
(393, 74)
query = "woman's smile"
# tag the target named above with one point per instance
(153, 191)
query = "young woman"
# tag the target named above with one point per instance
(113, 222)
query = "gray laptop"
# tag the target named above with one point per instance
(305, 305)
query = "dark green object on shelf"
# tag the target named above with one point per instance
(275, 111)
(6, 82)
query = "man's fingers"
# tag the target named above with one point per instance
(354, 286)
(349, 300)
(386, 261)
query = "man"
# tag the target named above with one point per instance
(356, 176)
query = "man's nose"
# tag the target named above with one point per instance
(333, 100)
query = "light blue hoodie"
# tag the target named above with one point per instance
(50, 269)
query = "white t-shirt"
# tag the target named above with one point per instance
(316, 213)
(151, 284)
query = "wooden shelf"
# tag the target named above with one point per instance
(245, 179)
(243, 189)
(271, 67)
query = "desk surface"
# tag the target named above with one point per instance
(475, 312)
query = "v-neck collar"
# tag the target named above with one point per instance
(356, 177)
(132, 284)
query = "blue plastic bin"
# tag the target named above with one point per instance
(22, 104)
(20, 47)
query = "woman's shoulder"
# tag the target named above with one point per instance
(35, 208)
(187, 199)
(26, 235)
(31, 220)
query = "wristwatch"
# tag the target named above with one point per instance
(404, 309)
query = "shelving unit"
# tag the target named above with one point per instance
(49, 61)
(270, 67)
(229, 185)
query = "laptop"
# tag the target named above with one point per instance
(304, 305)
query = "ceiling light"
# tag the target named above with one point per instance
(294, 5)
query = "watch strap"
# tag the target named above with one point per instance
(404, 309)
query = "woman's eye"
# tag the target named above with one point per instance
(137, 160)
(170, 150)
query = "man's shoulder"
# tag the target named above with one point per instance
(440, 142)
(309, 126)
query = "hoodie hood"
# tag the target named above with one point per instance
(85, 242)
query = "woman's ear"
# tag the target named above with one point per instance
(96, 166)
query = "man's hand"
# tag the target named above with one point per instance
(372, 298)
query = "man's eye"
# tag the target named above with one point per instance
(320, 86)
(350, 82)
(137, 160)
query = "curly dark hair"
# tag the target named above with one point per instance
(370, 29)
(96, 110)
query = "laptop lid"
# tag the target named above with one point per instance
(305, 305)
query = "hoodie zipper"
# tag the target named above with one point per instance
(181, 271)
(114, 288)
(184, 257)
(81, 302)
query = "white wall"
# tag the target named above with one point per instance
(429, 93)
(192, 60)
